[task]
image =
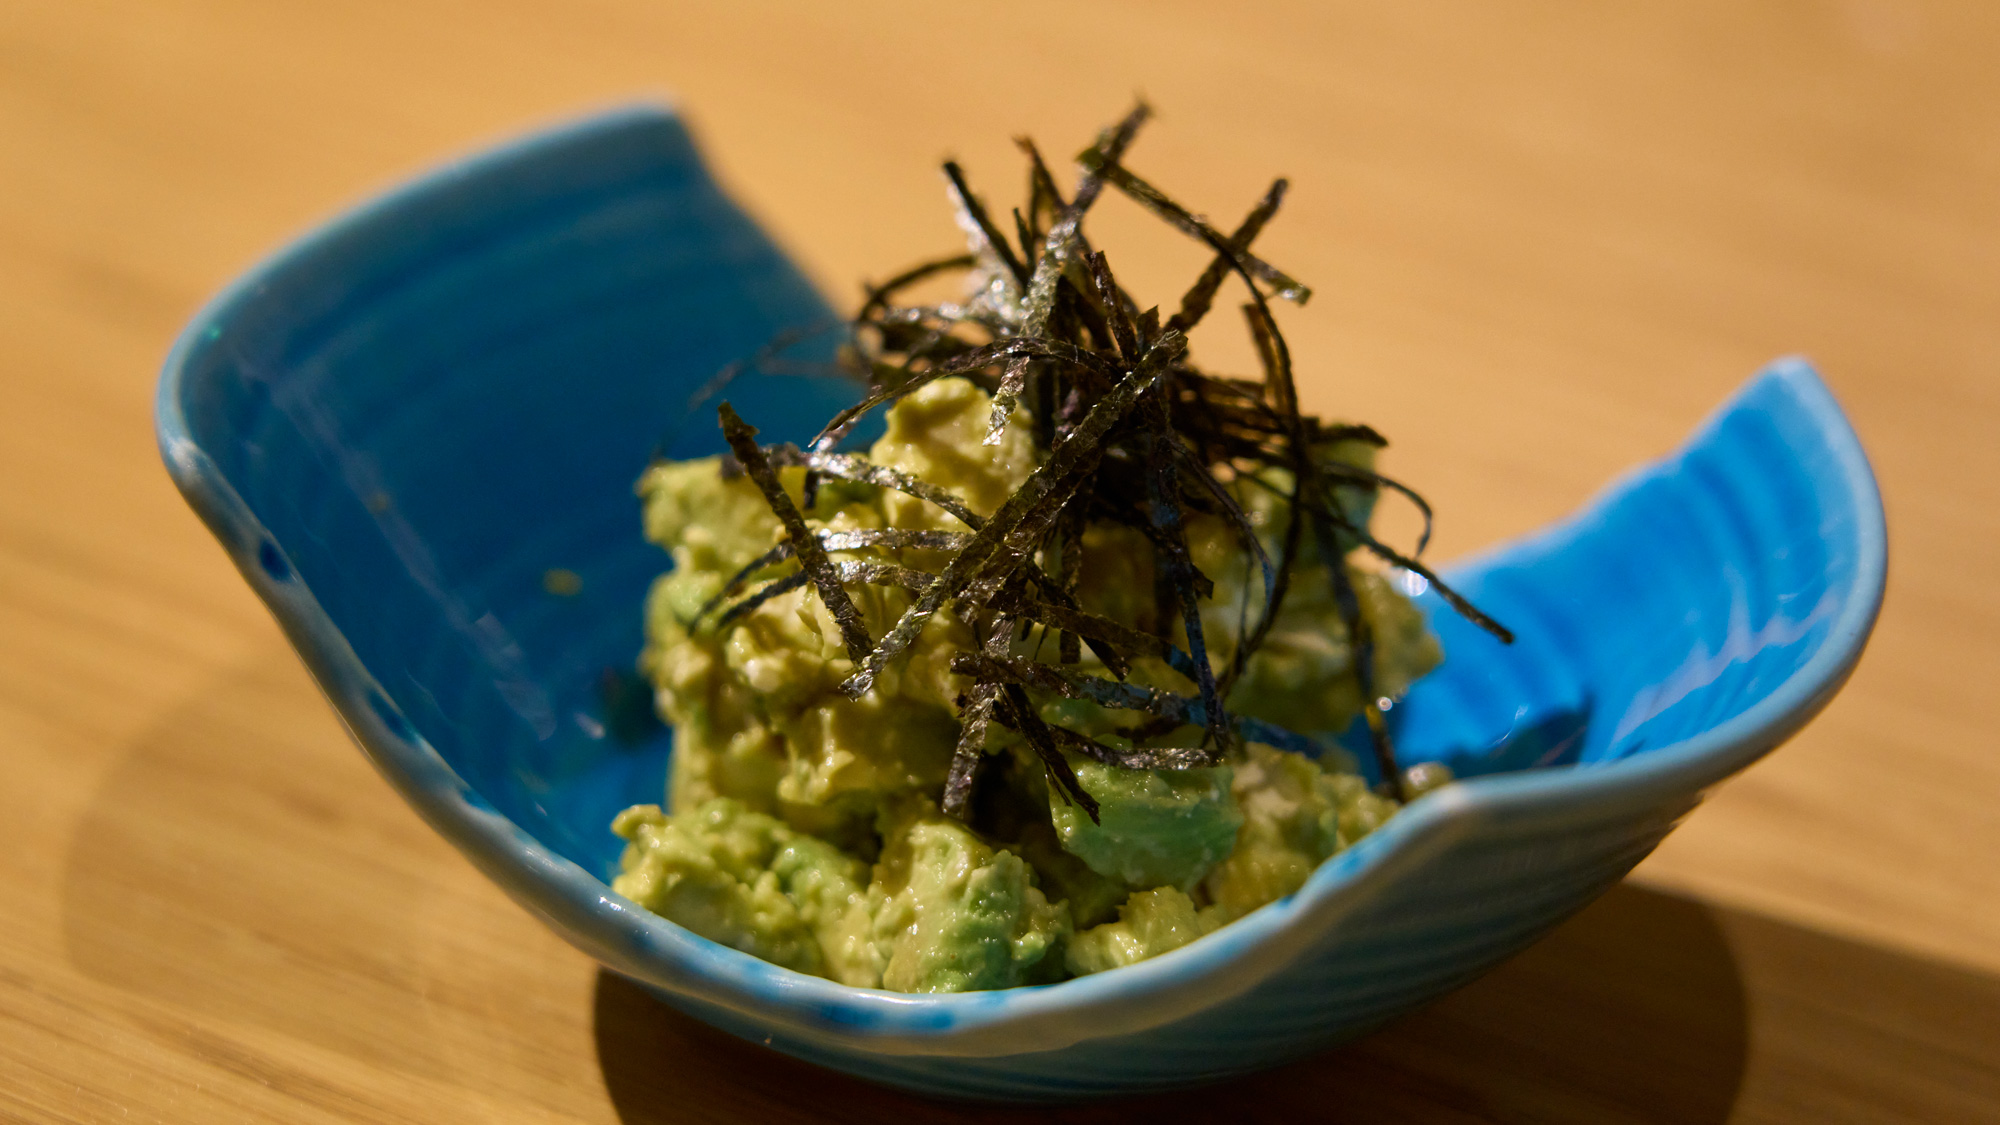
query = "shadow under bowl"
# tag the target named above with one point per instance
(398, 426)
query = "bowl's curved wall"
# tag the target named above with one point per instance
(433, 404)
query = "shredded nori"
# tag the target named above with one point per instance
(1130, 433)
(805, 544)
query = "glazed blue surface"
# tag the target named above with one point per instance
(397, 426)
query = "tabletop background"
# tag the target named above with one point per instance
(1546, 238)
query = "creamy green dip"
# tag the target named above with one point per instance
(804, 827)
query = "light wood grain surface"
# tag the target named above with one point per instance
(1546, 238)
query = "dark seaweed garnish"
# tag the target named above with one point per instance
(1131, 434)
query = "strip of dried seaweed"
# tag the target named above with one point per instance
(724, 378)
(890, 538)
(853, 570)
(1311, 502)
(1373, 478)
(884, 574)
(1057, 252)
(1137, 758)
(1180, 710)
(1103, 641)
(1022, 349)
(1018, 711)
(1129, 433)
(1246, 532)
(742, 438)
(877, 296)
(1274, 602)
(1364, 538)
(973, 217)
(1452, 597)
(1099, 630)
(734, 586)
(1200, 296)
(894, 539)
(993, 537)
(1069, 572)
(975, 713)
(1163, 490)
(772, 589)
(850, 468)
(1110, 171)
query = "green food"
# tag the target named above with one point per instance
(1043, 684)
(784, 792)
(1155, 828)
(742, 879)
(1149, 923)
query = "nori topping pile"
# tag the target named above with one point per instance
(1131, 433)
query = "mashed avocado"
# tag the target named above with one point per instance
(1155, 827)
(741, 879)
(1149, 923)
(950, 913)
(803, 826)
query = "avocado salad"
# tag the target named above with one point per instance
(1044, 681)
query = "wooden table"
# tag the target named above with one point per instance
(1546, 238)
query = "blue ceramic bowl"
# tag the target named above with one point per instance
(400, 424)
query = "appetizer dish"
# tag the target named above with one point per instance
(1045, 679)
(399, 425)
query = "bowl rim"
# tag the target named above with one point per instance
(659, 953)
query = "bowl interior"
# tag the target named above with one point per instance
(1681, 598)
(439, 400)
(435, 403)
